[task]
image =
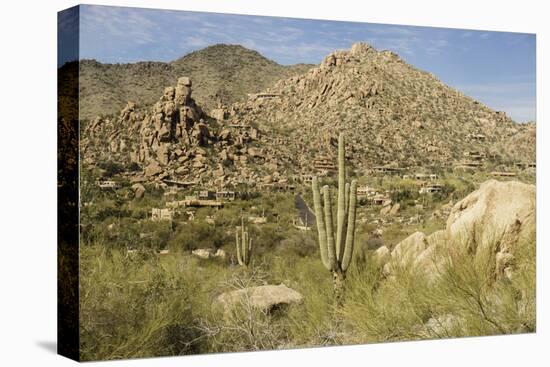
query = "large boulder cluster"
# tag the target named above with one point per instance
(174, 121)
(174, 139)
(493, 220)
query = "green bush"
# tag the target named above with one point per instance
(131, 308)
(193, 235)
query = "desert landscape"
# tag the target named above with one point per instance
(230, 203)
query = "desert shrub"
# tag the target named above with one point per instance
(244, 327)
(464, 299)
(133, 308)
(266, 237)
(133, 167)
(313, 322)
(111, 168)
(196, 234)
(128, 233)
(300, 243)
(374, 242)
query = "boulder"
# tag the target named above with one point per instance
(360, 48)
(382, 255)
(220, 253)
(185, 81)
(224, 135)
(218, 114)
(163, 154)
(139, 190)
(496, 217)
(409, 249)
(497, 211)
(385, 210)
(255, 152)
(264, 298)
(390, 210)
(395, 209)
(164, 133)
(153, 169)
(203, 253)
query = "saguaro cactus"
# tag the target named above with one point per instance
(336, 247)
(244, 245)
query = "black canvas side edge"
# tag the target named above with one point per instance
(68, 336)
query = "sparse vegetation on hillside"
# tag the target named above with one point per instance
(224, 73)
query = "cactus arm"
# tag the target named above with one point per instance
(350, 235)
(347, 197)
(331, 250)
(239, 257)
(321, 229)
(341, 211)
(249, 249)
(246, 257)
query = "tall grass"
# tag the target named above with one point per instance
(465, 298)
(143, 304)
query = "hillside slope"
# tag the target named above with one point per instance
(392, 113)
(224, 74)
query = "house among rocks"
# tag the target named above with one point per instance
(523, 165)
(226, 195)
(158, 214)
(424, 176)
(260, 96)
(503, 174)
(431, 188)
(170, 191)
(107, 184)
(257, 219)
(365, 191)
(194, 201)
(387, 170)
(205, 195)
(175, 183)
(219, 114)
(380, 199)
(476, 137)
(469, 165)
(324, 163)
(278, 187)
(475, 155)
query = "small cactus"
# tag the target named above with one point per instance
(244, 245)
(336, 247)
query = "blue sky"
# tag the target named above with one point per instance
(497, 68)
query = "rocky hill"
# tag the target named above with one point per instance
(393, 114)
(223, 74)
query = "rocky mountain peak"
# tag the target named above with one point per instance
(394, 115)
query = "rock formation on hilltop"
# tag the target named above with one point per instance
(172, 139)
(393, 114)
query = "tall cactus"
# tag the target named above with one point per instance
(336, 247)
(244, 245)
